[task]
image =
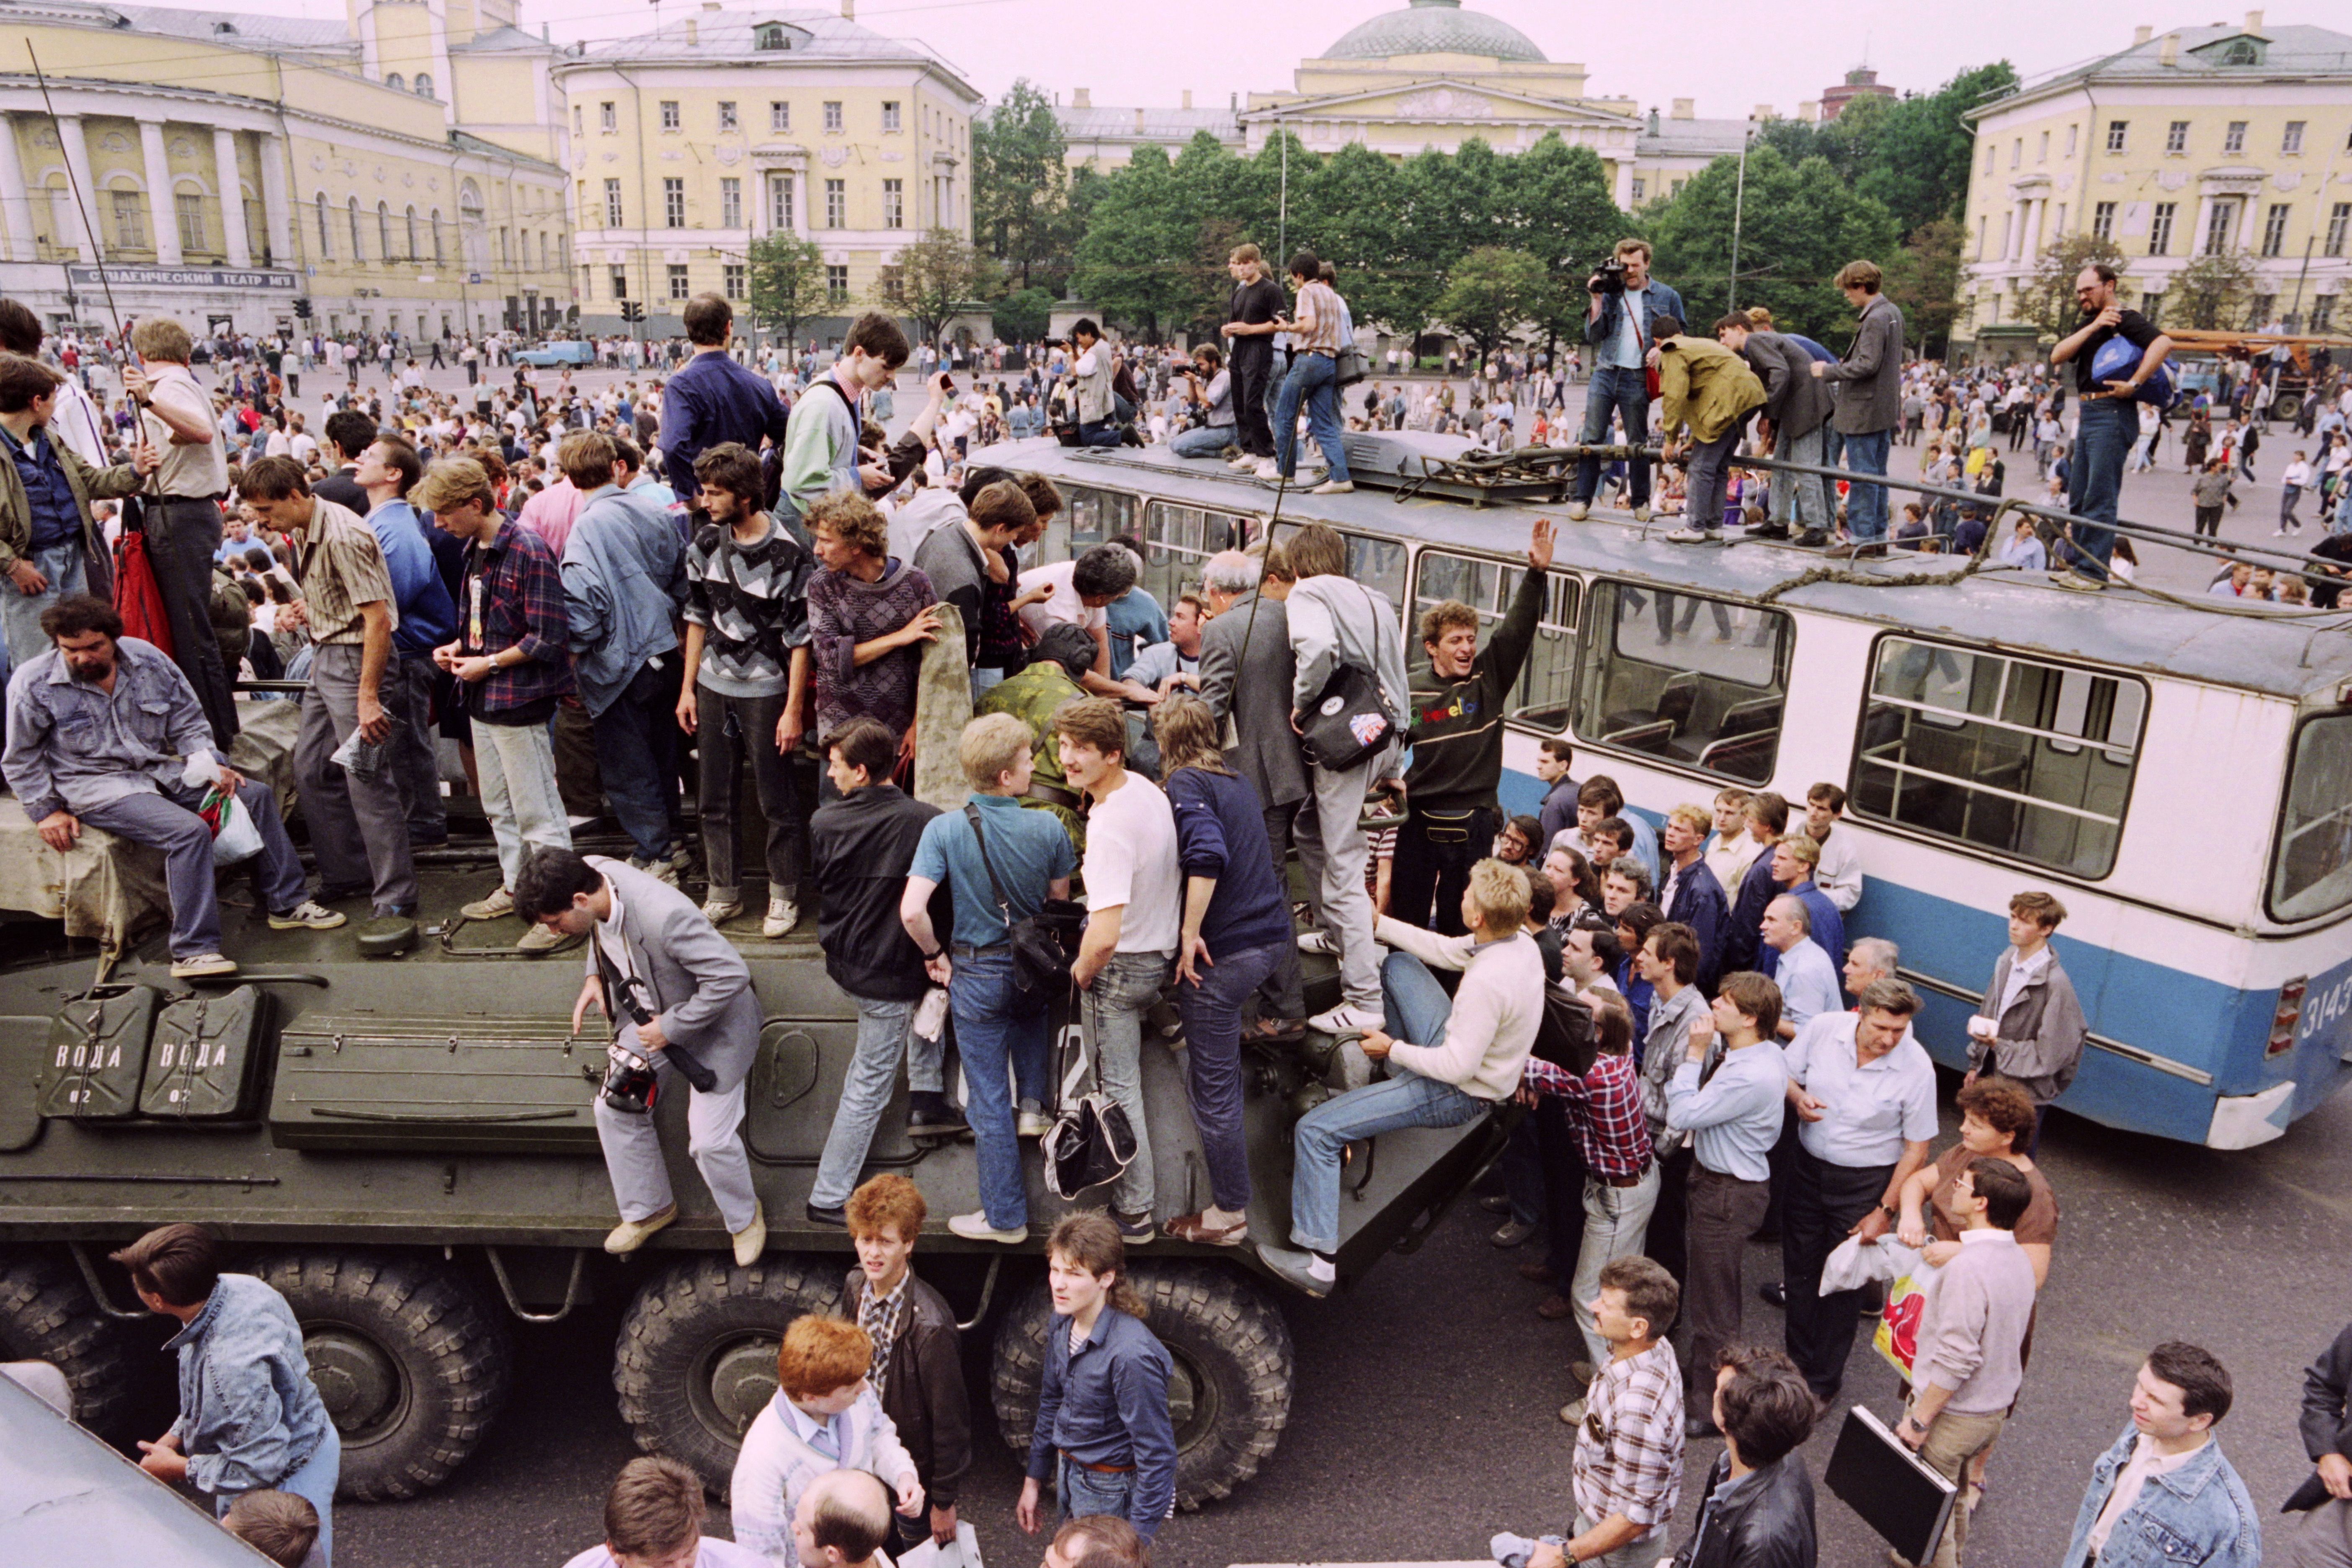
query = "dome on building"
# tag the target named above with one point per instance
(1435, 27)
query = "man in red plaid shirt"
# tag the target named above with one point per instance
(1620, 1181)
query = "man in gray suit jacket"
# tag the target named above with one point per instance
(1246, 672)
(680, 998)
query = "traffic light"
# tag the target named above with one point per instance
(302, 308)
(632, 309)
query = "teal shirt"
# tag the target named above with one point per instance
(1028, 848)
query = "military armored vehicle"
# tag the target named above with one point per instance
(404, 1146)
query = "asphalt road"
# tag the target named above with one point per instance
(1424, 1417)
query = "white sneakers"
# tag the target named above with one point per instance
(1318, 940)
(1344, 1019)
(631, 1234)
(202, 966)
(1333, 487)
(1244, 464)
(974, 1226)
(497, 904)
(1578, 510)
(308, 915)
(538, 939)
(719, 911)
(752, 1239)
(1642, 514)
(1034, 1124)
(783, 916)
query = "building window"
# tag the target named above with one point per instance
(1640, 187)
(2176, 139)
(2017, 152)
(2070, 139)
(607, 120)
(731, 203)
(669, 117)
(889, 115)
(2160, 228)
(2220, 224)
(2041, 149)
(1723, 719)
(383, 231)
(1980, 238)
(2242, 52)
(894, 204)
(2339, 224)
(578, 117)
(612, 204)
(190, 209)
(737, 275)
(130, 232)
(505, 259)
(769, 35)
(2115, 130)
(2323, 312)
(1991, 154)
(894, 283)
(674, 203)
(2102, 221)
(836, 204)
(2291, 143)
(620, 282)
(678, 288)
(727, 115)
(836, 285)
(780, 203)
(438, 255)
(396, 82)
(423, 86)
(2233, 140)
(780, 116)
(2152, 307)
(2274, 229)
(833, 115)
(411, 219)
(326, 235)
(359, 251)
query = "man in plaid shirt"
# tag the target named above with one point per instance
(1628, 1469)
(1620, 1181)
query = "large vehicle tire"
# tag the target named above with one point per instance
(413, 1363)
(1229, 1394)
(46, 1314)
(697, 1357)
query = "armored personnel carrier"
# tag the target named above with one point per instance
(404, 1144)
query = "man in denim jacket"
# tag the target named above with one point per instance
(1617, 325)
(2164, 1495)
(250, 1418)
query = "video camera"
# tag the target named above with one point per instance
(1609, 277)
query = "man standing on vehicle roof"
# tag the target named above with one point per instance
(713, 399)
(2109, 421)
(1457, 745)
(1617, 325)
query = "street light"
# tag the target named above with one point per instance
(1738, 207)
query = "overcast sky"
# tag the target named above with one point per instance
(1729, 57)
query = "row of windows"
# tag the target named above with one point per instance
(780, 202)
(2176, 141)
(734, 282)
(552, 249)
(731, 116)
(423, 86)
(2221, 226)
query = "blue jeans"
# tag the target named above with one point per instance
(1205, 442)
(636, 757)
(864, 1095)
(1311, 381)
(2094, 479)
(1865, 505)
(1082, 1493)
(997, 1031)
(20, 613)
(315, 1484)
(1211, 1011)
(1625, 392)
(1415, 1008)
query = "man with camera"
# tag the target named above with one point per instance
(1625, 299)
(1212, 388)
(681, 1001)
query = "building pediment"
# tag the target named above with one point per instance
(1439, 100)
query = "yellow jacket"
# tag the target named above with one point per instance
(1706, 384)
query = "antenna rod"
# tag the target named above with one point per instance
(89, 227)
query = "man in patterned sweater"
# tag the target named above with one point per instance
(867, 612)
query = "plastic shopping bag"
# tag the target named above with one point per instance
(1897, 1338)
(235, 835)
(1856, 1263)
(963, 1552)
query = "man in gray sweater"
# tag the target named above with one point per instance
(1967, 1368)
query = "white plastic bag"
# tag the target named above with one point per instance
(239, 837)
(1856, 1263)
(961, 1552)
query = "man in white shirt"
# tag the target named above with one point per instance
(1134, 905)
(1808, 980)
(1839, 875)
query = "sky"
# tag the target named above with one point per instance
(1729, 55)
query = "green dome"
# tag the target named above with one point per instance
(1435, 27)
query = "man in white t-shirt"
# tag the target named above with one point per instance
(1079, 592)
(1134, 905)
(652, 1518)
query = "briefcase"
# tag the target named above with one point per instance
(1894, 1491)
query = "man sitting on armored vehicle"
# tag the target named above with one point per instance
(104, 730)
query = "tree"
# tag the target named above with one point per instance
(1492, 291)
(1801, 226)
(2214, 292)
(936, 275)
(2048, 301)
(1922, 279)
(1557, 207)
(1021, 315)
(1921, 149)
(787, 284)
(1141, 262)
(1020, 184)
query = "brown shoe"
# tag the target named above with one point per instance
(1538, 1274)
(1193, 1227)
(1553, 1309)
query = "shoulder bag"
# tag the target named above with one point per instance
(1351, 720)
(1044, 945)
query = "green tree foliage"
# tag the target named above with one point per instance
(1492, 293)
(786, 284)
(1021, 315)
(1919, 163)
(2048, 301)
(938, 275)
(2213, 294)
(1020, 185)
(1800, 225)
(1139, 262)
(1922, 279)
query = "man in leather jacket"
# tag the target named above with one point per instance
(1757, 1510)
(2326, 1493)
(917, 1372)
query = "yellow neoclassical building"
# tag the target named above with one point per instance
(401, 170)
(722, 126)
(2198, 140)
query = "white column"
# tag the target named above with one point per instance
(277, 206)
(2197, 233)
(802, 218)
(77, 150)
(239, 252)
(2037, 213)
(14, 198)
(162, 217)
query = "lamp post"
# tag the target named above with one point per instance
(1739, 208)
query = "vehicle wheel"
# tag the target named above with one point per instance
(697, 1357)
(413, 1363)
(45, 1314)
(2286, 406)
(1229, 1395)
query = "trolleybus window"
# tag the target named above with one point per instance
(1088, 516)
(1699, 682)
(2028, 759)
(2314, 873)
(1540, 701)
(1378, 564)
(1177, 539)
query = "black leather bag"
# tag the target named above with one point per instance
(1565, 1035)
(1044, 945)
(1351, 720)
(1091, 1142)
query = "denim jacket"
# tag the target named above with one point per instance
(1602, 330)
(72, 746)
(249, 1414)
(623, 585)
(2198, 1514)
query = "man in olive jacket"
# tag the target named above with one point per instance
(55, 547)
(1705, 386)
(917, 1373)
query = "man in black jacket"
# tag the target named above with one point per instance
(863, 846)
(917, 1373)
(2326, 1538)
(1757, 1510)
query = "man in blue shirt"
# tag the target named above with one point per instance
(1807, 979)
(387, 470)
(1617, 325)
(1794, 856)
(711, 399)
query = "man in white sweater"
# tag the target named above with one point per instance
(824, 1417)
(1473, 1048)
(1967, 1369)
